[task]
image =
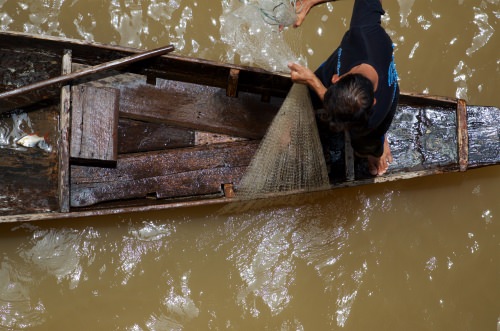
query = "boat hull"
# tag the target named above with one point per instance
(174, 132)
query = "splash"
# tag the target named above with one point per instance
(485, 31)
(405, 10)
(251, 30)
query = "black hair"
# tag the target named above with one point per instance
(348, 103)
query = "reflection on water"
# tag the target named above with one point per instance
(415, 255)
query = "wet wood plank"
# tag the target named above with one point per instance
(59, 80)
(64, 135)
(29, 175)
(421, 138)
(19, 68)
(199, 107)
(173, 173)
(94, 123)
(462, 136)
(28, 182)
(137, 136)
(483, 136)
(232, 83)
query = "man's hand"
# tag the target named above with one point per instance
(378, 166)
(302, 75)
(304, 8)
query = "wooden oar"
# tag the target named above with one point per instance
(87, 71)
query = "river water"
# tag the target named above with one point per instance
(420, 254)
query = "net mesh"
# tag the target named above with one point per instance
(279, 12)
(249, 27)
(290, 156)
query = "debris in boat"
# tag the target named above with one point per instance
(34, 140)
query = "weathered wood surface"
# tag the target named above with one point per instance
(232, 83)
(199, 107)
(64, 137)
(424, 141)
(29, 175)
(70, 77)
(28, 189)
(462, 136)
(94, 128)
(173, 173)
(421, 138)
(484, 135)
(138, 136)
(169, 66)
(19, 68)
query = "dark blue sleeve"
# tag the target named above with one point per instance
(366, 12)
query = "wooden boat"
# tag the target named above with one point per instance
(172, 131)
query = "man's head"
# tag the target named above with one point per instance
(348, 102)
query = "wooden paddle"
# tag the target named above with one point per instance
(86, 72)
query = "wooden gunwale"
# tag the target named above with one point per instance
(170, 66)
(203, 202)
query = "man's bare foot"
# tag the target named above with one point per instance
(377, 166)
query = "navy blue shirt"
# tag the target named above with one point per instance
(367, 42)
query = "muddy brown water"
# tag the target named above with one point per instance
(420, 254)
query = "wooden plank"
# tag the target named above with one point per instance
(64, 132)
(484, 135)
(462, 135)
(137, 136)
(228, 190)
(173, 173)
(17, 178)
(94, 127)
(199, 107)
(420, 99)
(232, 83)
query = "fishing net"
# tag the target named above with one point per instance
(251, 29)
(279, 12)
(290, 156)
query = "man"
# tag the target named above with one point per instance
(358, 84)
